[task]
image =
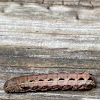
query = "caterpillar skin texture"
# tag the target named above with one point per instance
(52, 81)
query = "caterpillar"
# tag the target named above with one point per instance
(51, 81)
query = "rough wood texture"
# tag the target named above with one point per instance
(60, 2)
(34, 39)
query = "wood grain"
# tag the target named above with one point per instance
(34, 39)
(95, 3)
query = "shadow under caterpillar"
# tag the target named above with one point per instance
(51, 81)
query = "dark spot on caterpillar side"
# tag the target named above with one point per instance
(25, 88)
(74, 87)
(90, 79)
(71, 79)
(35, 88)
(66, 87)
(80, 79)
(61, 79)
(32, 81)
(44, 88)
(81, 87)
(88, 86)
(50, 79)
(41, 80)
(55, 87)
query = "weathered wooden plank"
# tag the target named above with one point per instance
(42, 57)
(31, 52)
(49, 62)
(59, 2)
(34, 39)
(65, 30)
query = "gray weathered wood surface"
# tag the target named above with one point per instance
(34, 39)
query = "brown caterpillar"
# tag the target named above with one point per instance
(52, 81)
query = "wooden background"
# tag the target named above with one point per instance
(39, 38)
